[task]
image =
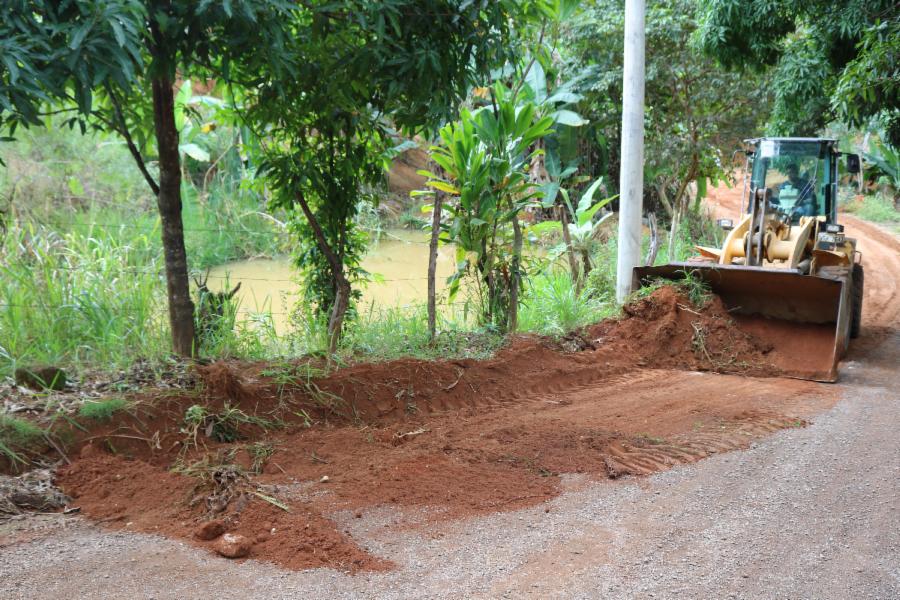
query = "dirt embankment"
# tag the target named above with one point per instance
(451, 438)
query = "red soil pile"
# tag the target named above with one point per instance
(445, 439)
(133, 495)
(664, 330)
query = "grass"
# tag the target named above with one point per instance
(876, 208)
(81, 273)
(551, 307)
(69, 298)
(16, 437)
(102, 410)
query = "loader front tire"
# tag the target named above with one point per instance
(856, 300)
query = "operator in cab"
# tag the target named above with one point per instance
(796, 195)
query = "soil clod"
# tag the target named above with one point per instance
(233, 545)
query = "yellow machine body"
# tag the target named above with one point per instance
(799, 274)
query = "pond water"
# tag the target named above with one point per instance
(398, 263)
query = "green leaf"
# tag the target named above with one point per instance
(550, 190)
(570, 118)
(75, 187)
(182, 98)
(588, 196)
(544, 227)
(195, 152)
(444, 187)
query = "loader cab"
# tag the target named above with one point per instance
(799, 173)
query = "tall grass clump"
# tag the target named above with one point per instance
(102, 410)
(551, 306)
(224, 222)
(76, 298)
(388, 333)
(17, 437)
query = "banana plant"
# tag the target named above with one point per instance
(580, 230)
(887, 159)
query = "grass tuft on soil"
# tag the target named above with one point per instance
(102, 410)
(18, 436)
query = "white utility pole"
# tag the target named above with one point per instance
(631, 176)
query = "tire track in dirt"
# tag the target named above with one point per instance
(881, 259)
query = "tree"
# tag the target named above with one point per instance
(696, 112)
(364, 68)
(118, 62)
(829, 60)
(59, 50)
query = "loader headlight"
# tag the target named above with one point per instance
(726, 224)
(834, 228)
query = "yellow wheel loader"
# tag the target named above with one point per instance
(786, 272)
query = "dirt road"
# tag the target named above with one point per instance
(802, 512)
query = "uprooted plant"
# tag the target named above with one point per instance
(220, 481)
(292, 377)
(224, 425)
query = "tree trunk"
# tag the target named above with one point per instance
(664, 199)
(673, 231)
(654, 240)
(585, 265)
(681, 205)
(341, 304)
(181, 307)
(513, 322)
(432, 263)
(342, 284)
(570, 252)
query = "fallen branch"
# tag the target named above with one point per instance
(683, 307)
(459, 375)
(271, 501)
(411, 433)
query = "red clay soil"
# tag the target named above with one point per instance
(445, 439)
(664, 330)
(133, 495)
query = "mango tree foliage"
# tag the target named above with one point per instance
(50, 50)
(830, 59)
(363, 68)
(696, 112)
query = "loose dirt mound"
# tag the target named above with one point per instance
(664, 330)
(134, 495)
(438, 439)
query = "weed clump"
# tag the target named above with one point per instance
(222, 426)
(102, 410)
(18, 436)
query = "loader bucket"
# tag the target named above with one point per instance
(805, 318)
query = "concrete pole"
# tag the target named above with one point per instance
(631, 176)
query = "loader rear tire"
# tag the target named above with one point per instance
(856, 300)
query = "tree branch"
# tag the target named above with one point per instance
(321, 240)
(122, 128)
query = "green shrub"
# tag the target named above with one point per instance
(876, 208)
